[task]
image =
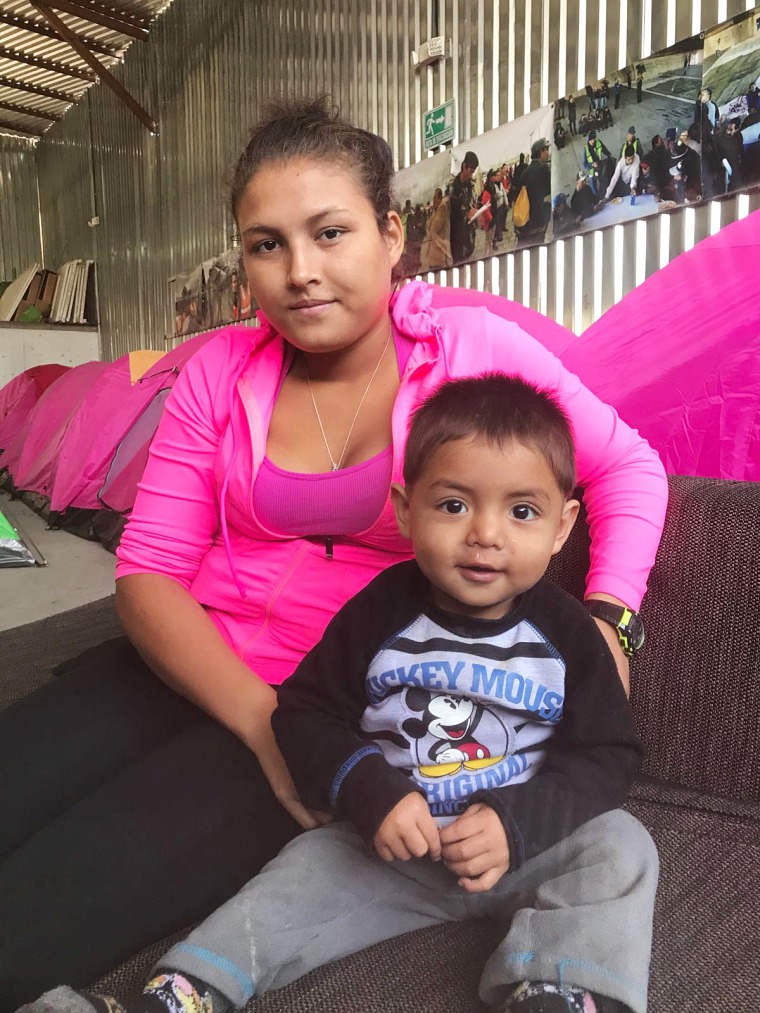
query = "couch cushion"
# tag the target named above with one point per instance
(706, 930)
(695, 685)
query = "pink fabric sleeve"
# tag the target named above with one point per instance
(176, 510)
(624, 482)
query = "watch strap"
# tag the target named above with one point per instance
(627, 623)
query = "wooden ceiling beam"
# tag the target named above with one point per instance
(5, 125)
(37, 29)
(11, 107)
(105, 75)
(53, 66)
(98, 15)
(36, 89)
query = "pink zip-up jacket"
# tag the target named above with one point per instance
(271, 596)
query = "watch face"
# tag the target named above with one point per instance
(627, 623)
(636, 632)
(631, 631)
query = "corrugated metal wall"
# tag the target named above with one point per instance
(19, 207)
(208, 66)
(65, 162)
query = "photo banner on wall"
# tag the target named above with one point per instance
(623, 148)
(511, 158)
(421, 195)
(457, 206)
(213, 294)
(731, 119)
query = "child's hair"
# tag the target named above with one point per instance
(314, 129)
(500, 408)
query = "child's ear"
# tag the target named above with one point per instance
(400, 502)
(566, 522)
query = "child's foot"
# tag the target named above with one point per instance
(166, 993)
(178, 995)
(549, 997)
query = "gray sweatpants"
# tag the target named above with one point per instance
(578, 914)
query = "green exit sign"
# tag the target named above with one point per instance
(438, 124)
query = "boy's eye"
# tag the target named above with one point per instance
(453, 506)
(331, 233)
(524, 512)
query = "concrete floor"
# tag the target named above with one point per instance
(78, 571)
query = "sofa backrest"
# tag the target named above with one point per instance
(695, 687)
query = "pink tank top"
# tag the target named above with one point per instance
(339, 503)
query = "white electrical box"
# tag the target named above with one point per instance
(432, 51)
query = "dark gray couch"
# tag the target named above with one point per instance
(696, 697)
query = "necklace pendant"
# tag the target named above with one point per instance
(336, 464)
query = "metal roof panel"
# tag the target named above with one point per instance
(26, 35)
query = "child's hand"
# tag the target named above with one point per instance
(475, 848)
(408, 831)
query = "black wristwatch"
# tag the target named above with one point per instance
(629, 625)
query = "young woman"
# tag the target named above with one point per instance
(144, 787)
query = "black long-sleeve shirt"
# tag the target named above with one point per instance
(525, 713)
(461, 202)
(537, 179)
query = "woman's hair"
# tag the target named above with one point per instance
(314, 129)
(500, 409)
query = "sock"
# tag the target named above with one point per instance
(165, 993)
(178, 994)
(550, 997)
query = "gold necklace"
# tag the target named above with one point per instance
(336, 464)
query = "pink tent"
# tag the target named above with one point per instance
(119, 487)
(21, 394)
(32, 456)
(679, 357)
(112, 407)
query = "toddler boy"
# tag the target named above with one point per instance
(463, 720)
